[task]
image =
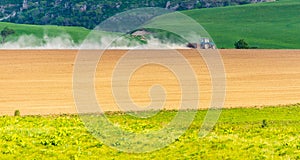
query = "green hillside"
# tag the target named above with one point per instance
(265, 25)
(77, 33)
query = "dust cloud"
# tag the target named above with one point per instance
(65, 41)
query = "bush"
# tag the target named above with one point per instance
(241, 44)
(17, 113)
(5, 33)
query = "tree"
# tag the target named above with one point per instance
(241, 44)
(5, 33)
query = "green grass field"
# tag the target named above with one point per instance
(76, 33)
(265, 25)
(237, 135)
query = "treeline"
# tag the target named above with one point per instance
(89, 13)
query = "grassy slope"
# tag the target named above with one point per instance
(237, 135)
(265, 25)
(77, 33)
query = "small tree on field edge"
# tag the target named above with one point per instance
(17, 113)
(5, 33)
(241, 44)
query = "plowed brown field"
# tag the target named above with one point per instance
(40, 81)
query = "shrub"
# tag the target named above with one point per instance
(241, 44)
(17, 113)
(5, 33)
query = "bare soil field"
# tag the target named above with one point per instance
(40, 81)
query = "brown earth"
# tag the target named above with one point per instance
(40, 81)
